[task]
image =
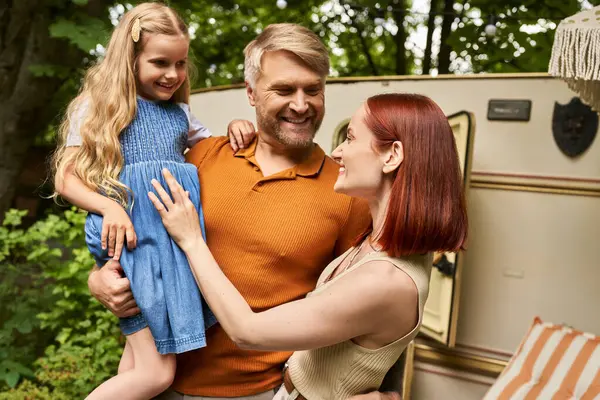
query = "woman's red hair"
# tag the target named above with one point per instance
(426, 210)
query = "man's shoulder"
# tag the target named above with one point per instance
(205, 148)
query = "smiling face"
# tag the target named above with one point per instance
(162, 66)
(289, 98)
(361, 167)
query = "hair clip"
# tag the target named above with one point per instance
(136, 29)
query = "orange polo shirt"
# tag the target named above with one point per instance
(272, 236)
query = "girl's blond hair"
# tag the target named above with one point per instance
(107, 102)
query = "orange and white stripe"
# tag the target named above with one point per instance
(553, 362)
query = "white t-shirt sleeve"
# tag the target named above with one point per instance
(197, 131)
(76, 119)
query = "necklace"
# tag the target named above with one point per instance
(336, 273)
(359, 248)
(371, 245)
(373, 250)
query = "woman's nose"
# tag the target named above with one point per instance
(337, 153)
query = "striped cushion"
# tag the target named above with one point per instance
(552, 362)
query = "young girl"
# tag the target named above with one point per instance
(130, 121)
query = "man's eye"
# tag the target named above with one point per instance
(313, 92)
(284, 91)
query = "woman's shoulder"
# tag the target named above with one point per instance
(387, 274)
(378, 280)
(416, 266)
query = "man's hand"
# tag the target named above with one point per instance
(111, 288)
(377, 396)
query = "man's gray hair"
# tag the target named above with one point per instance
(294, 38)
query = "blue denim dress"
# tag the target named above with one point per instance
(162, 283)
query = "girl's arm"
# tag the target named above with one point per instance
(360, 303)
(116, 225)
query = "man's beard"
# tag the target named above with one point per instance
(272, 127)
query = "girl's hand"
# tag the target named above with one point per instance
(179, 214)
(241, 133)
(116, 228)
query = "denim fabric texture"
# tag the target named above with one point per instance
(161, 279)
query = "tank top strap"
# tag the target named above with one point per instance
(407, 264)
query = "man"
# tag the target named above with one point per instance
(272, 218)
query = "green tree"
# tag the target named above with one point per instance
(361, 36)
(43, 44)
(523, 39)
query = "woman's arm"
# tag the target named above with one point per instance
(360, 303)
(116, 226)
(357, 304)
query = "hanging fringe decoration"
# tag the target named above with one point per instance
(576, 55)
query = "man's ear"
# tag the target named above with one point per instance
(393, 157)
(251, 94)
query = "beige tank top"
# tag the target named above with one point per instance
(346, 369)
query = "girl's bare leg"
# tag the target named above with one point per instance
(127, 361)
(151, 374)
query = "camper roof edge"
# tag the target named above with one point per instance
(352, 79)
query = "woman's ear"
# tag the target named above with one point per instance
(393, 157)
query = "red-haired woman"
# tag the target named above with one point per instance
(401, 157)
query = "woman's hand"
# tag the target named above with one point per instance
(116, 228)
(179, 214)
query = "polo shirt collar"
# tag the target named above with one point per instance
(310, 167)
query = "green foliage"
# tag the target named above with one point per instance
(222, 29)
(53, 332)
(363, 35)
(524, 37)
(49, 71)
(29, 390)
(83, 32)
